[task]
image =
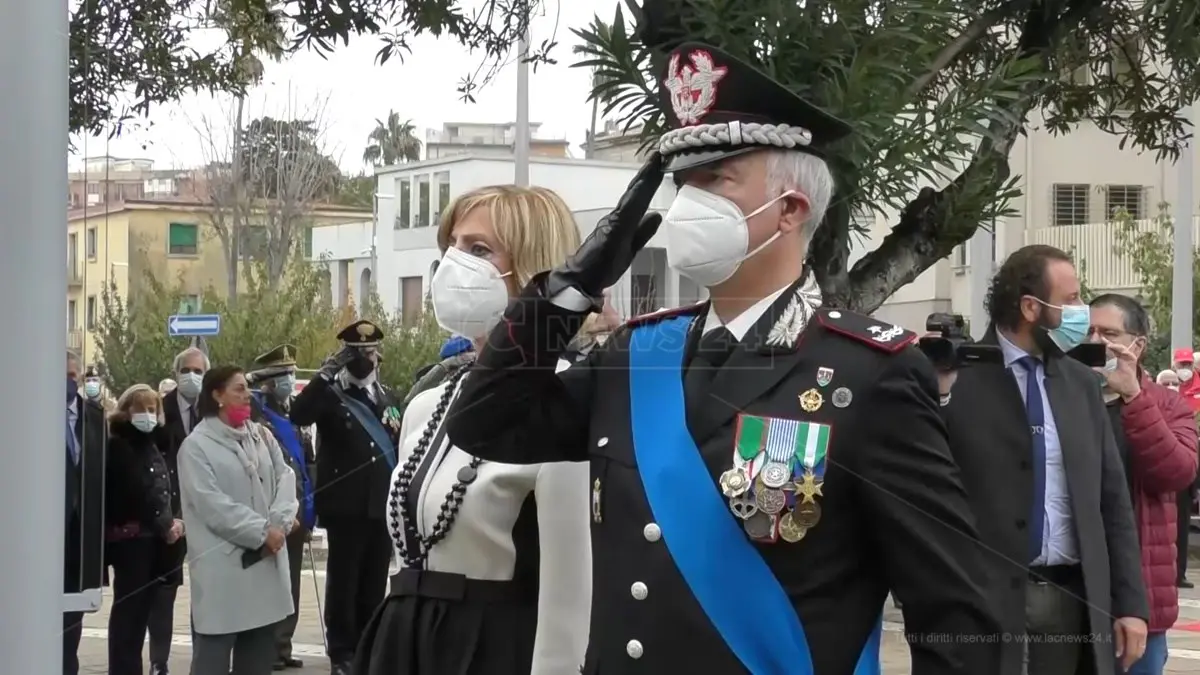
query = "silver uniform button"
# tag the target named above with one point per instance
(634, 649)
(652, 532)
(639, 590)
(835, 315)
(602, 442)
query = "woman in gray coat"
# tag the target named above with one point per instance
(239, 503)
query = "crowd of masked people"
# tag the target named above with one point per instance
(218, 473)
(204, 472)
(728, 487)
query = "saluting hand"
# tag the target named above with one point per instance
(335, 362)
(609, 250)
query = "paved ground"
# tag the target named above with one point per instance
(1184, 641)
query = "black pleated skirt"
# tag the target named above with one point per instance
(434, 623)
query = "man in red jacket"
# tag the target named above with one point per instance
(1184, 364)
(1189, 389)
(1156, 432)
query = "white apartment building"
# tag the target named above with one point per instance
(412, 197)
(489, 140)
(1071, 185)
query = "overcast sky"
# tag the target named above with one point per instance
(349, 91)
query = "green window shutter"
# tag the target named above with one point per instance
(182, 239)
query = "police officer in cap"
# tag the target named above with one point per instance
(274, 380)
(764, 469)
(357, 429)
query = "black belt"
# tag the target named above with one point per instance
(1059, 575)
(456, 587)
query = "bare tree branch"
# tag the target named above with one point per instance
(260, 210)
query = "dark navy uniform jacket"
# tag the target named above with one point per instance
(895, 515)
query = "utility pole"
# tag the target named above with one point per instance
(1184, 253)
(374, 287)
(521, 137)
(33, 150)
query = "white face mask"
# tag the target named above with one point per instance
(707, 235)
(469, 294)
(144, 421)
(189, 385)
(1184, 374)
(91, 389)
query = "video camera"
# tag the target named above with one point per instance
(953, 348)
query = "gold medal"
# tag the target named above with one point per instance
(807, 514)
(808, 487)
(811, 401)
(790, 530)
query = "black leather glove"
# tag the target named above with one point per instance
(609, 250)
(336, 361)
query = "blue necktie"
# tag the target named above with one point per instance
(72, 444)
(1036, 412)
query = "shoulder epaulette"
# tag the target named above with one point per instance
(862, 328)
(663, 314)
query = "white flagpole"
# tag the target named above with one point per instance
(521, 137)
(1181, 280)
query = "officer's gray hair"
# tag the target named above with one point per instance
(802, 172)
(183, 356)
(72, 357)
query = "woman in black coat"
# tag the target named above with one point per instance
(140, 524)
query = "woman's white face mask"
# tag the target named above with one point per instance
(469, 294)
(707, 235)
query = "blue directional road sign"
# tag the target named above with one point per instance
(193, 325)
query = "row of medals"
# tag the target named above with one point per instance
(766, 505)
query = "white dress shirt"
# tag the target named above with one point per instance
(72, 419)
(742, 323)
(480, 544)
(1058, 533)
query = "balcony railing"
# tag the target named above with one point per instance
(75, 340)
(1097, 248)
(74, 274)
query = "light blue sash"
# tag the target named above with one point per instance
(371, 424)
(696, 522)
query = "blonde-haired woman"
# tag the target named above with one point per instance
(495, 566)
(140, 526)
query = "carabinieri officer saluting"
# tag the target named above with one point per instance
(764, 470)
(358, 425)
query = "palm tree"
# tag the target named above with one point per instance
(392, 142)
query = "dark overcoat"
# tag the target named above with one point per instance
(990, 439)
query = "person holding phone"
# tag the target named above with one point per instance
(1156, 434)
